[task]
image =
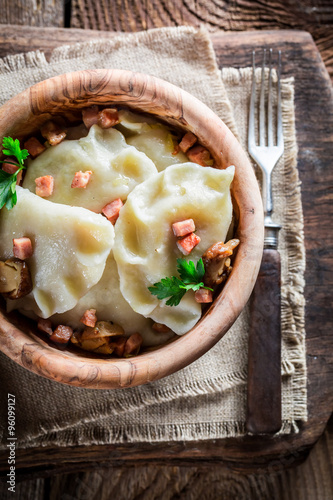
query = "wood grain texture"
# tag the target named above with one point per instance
(312, 480)
(264, 358)
(315, 16)
(33, 12)
(131, 15)
(23, 115)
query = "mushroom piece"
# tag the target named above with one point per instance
(104, 338)
(15, 278)
(214, 260)
(102, 329)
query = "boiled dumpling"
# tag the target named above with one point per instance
(145, 248)
(132, 123)
(156, 141)
(116, 169)
(70, 248)
(110, 305)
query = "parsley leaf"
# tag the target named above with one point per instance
(7, 190)
(8, 194)
(190, 278)
(169, 287)
(188, 272)
(12, 148)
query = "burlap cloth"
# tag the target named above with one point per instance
(207, 399)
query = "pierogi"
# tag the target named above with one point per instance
(116, 168)
(70, 248)
(153, 139)
(145, 248)
(83, 260)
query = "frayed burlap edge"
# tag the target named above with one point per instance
(224, 110)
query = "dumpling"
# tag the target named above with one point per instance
(110, 305)
(70, 248)
(145, 248)
(132, 123)
(152, 138)
(116, 169)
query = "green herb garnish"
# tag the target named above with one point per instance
(8, 195)
(190, 278)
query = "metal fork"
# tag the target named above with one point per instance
(266, 156)
(264, 365)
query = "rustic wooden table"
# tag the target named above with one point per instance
(47, 27)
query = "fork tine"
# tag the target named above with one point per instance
(262, 104)
(251, 131)
(279, 108)
(269, 103)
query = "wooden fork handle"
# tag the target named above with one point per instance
(264, 359)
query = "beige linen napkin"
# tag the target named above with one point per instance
(207, 399)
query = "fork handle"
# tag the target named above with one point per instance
(264, 359)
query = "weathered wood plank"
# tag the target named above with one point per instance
(15, 39)
(235, 15)
(323, 36)
(312, 480)
(33, 489)
(33, 12)
(315, 16)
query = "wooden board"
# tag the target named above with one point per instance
(34, 13)
(313, 480)
(314, 16)
(314, 124)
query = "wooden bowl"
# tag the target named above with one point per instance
(23, 115)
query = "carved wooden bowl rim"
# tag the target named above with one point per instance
(23, 114)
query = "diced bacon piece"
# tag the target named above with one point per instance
(34, 147)
(81, 179)
(203, 296)
(44, 186)
(183, 227)
(22, 248)
(108, 117)
(112, 209)
(160, 328)
(9, 168)
(133, 344)
(62, 334)
(90, 116)
(187, 243)
(89, 317)
(200, 155)
(119, 346)
(187, 141)
(45, 325)
(53, 132)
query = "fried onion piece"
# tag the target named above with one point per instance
(107, 338)
(217, 262)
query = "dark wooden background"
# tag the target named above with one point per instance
(309, 481)
(314, 16)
